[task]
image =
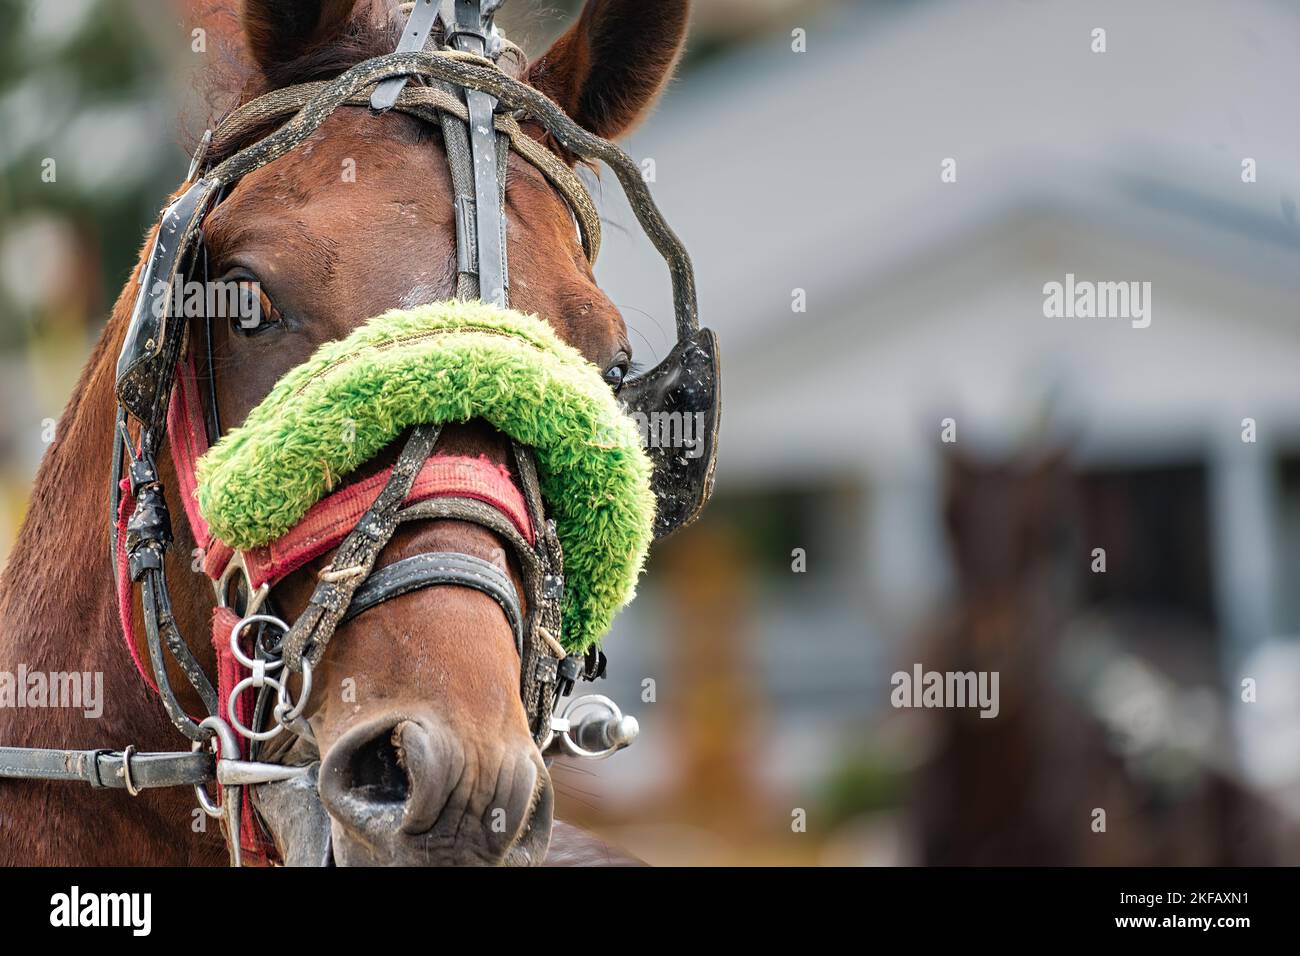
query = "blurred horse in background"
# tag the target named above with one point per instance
(1053, 778)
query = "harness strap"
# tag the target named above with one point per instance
(486, 164)
(441, 567)
(432, 104)
(329, 521)
(187, 439)
(356, 556)
(108, 768)
(125, 589)
(424, 14)
(539, 680)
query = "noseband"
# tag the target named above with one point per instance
(459, 86)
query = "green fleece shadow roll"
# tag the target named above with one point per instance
(443, 363)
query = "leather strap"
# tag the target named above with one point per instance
(418, 27)
(468, 33)
(438, 568)
(356, 556)
(108, 768)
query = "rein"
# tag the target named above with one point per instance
(479, 108)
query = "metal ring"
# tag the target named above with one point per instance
(234, 719)
(285, 710)
(238, 629)
(567, 744)
(131, 788)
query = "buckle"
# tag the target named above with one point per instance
(464, 18)
(94, 776)
(546, 670)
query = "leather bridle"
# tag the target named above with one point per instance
(478, 108)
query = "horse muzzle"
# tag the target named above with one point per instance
(408, 791)
(401, 791)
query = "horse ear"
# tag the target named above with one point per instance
(278, 31)
(607, 69)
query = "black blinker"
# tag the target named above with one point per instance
(677, 406)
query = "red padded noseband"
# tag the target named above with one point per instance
(330, 520)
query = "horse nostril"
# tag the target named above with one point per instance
(411, 788)
(375, 772)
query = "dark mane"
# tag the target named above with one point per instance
(231, 80)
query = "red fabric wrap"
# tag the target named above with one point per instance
(125, 590)
(188, 437)
(329, 521)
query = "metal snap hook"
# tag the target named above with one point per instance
(256, 597)
(228, 745)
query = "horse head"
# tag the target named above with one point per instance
(422, 749)
(426, 751)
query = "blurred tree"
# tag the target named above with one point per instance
(84, 140)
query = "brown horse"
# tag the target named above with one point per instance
(1023, 788)
(989, 795)
(434, 721)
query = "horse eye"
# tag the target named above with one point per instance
(615, 375)
(254, 313)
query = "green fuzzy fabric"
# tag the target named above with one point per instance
(443, 363)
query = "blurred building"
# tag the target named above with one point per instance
(818, 175)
